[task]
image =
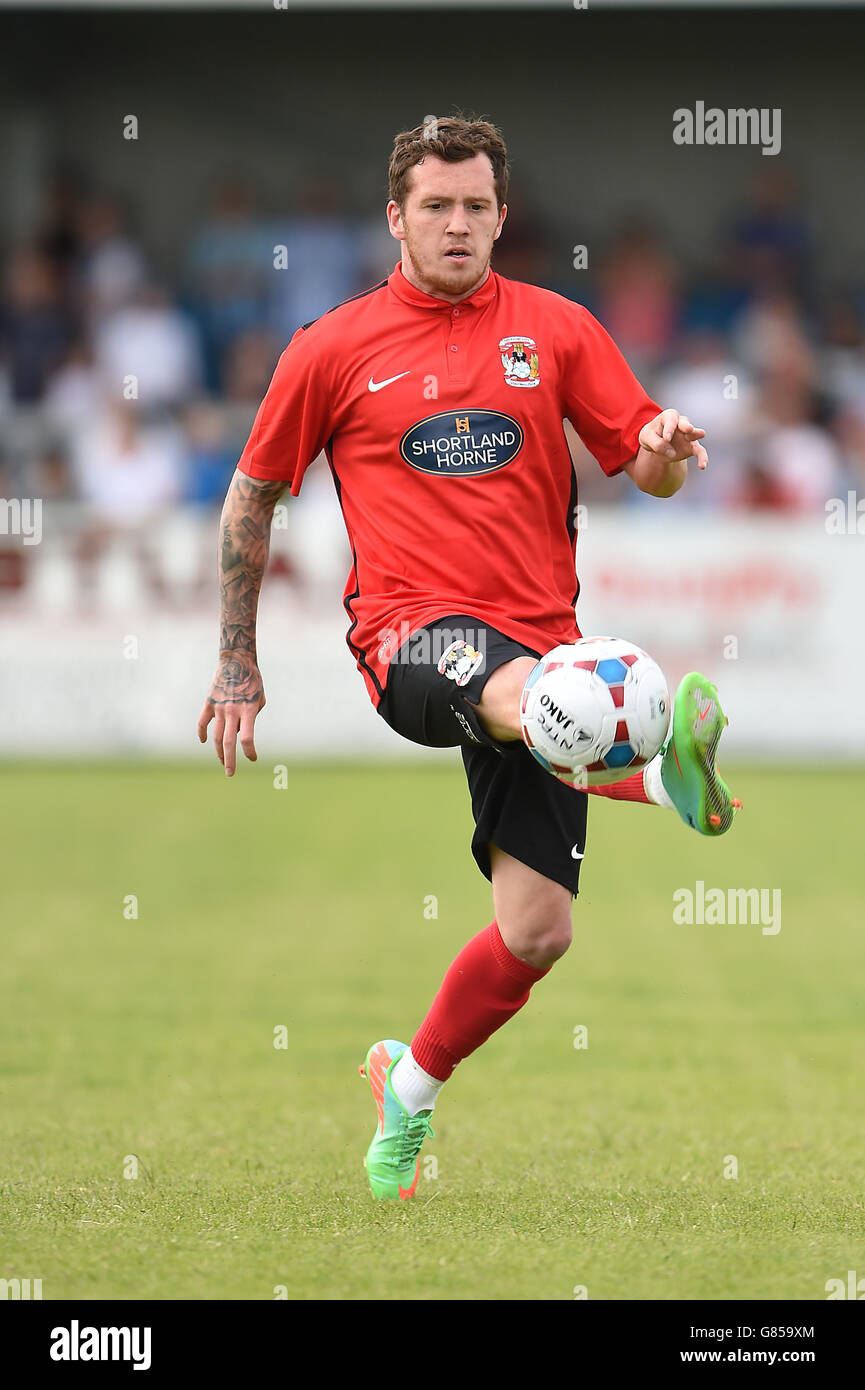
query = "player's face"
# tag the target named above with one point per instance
(448, 225)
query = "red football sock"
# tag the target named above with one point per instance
(631, 789)
(484, 987)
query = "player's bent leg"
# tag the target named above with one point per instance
(533, 912)
(684, 776)
(499, 706)
(688, 765)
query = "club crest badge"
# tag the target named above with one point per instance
(520, 360)
(459, 662)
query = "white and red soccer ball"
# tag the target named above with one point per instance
(595, 711)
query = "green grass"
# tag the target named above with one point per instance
(305, 907)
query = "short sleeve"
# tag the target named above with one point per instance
(601, 397)
(294, 421)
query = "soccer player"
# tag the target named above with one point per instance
(439, 396)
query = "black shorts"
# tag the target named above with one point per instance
(434, 683)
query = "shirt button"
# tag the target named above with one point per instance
(456, 311)
(454, 347)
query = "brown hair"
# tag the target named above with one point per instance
(452, 138)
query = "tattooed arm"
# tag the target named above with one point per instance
(237, 692)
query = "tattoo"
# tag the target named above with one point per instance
(244, 543)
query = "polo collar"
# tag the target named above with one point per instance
(409, 294)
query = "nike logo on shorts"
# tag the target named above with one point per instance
(577, 853)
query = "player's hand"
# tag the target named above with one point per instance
(672, 437)
(236, 696)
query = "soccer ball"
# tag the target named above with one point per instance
(595, 711)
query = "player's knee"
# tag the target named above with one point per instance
(551, 940)
(541, 935)
(499, 706)
(533, 911)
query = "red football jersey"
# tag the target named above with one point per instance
(442, 424)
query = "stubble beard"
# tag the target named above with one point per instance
(433, 277)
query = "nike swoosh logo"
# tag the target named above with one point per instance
(577, 853)
(378, 1064)
(709, 706)
(378, 385)
(406, 1192)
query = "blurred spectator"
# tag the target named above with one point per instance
(771, 337)
(378, 251)
(249, 365)
(794, 464)
(211, 456)
(59, 236)
(110, 269)
(717, 393)
(50, 475)
(323, 257)
(843, 357)
(229, 265)
(74, 396)
(154, 342)
(128, 470)
(849, 431)
(130, 474)
(35, 328)
(770, 241)
(638, 296)
(715, 297)
(524, 252)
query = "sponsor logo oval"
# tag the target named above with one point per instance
(462, 443)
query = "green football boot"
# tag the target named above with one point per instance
(689, 771)
(393, 1158)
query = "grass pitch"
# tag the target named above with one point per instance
(146, 1044)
